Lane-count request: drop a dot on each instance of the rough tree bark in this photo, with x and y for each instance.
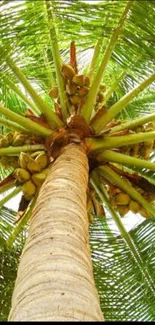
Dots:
(55, 277)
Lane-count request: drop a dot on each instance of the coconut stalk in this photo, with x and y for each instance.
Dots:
(112, 156)
(99, 124)
(99, 188)
(114, 86)
(91, 98)
(112, 177)
(56, 59)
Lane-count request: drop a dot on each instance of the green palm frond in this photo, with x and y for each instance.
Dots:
(30, 39)
(9, 263)
(7, 224)
(11, 100)
(4, 172)
(123, 294)
(74, 19)
(9, 259)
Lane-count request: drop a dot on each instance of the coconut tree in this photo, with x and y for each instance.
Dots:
(78, 143)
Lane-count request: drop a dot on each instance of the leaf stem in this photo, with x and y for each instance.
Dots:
(12, 125)
(7, 187)
(94, 60)
(56, 59)
(120, 158)
(16, 150)
(99, 124)
(21, 95)
(21, 224)
(25, 122)
(90, 101)
(10, 196)
(51, 117)
(97, 144)
(132, 124)
(114, 86)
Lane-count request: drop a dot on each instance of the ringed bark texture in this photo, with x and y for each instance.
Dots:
(55, 277)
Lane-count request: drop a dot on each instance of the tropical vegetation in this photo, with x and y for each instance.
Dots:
(77, 141)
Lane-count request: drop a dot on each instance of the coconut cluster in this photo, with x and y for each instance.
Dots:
(142, 149)
(123, 203)
(31, 172)
(9, 162)
(77, 87)
(14, 139)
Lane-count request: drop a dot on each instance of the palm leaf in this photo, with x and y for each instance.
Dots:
(123, 294)
(77, 18)
(7, 219)
(9, 263)
(9, 259)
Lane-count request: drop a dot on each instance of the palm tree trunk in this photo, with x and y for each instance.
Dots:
(55, 277)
